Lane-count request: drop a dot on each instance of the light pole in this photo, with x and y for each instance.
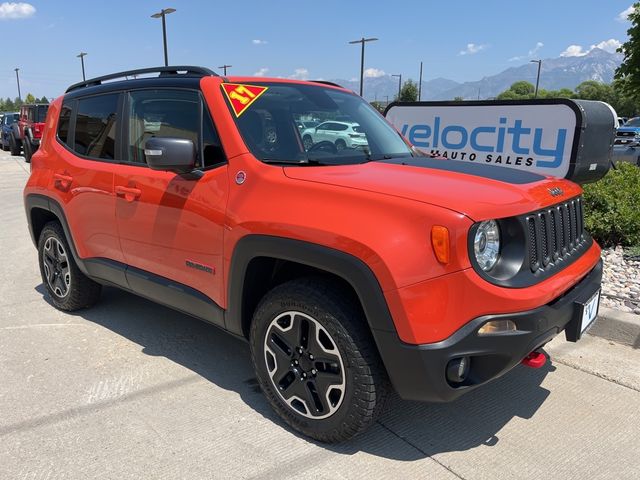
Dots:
(224, 67)
(420, 84)
(18, 79)
(362, 41)
(162, 14)
(81, 56)
(399, 84)
(539, 62)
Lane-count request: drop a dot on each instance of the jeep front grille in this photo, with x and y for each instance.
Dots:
(555, 234)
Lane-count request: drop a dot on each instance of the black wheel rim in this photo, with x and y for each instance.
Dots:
(304, 365)
(56, 267)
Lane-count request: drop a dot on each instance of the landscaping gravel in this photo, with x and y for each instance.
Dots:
(621, 280)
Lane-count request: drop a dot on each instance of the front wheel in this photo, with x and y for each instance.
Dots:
(316, 361)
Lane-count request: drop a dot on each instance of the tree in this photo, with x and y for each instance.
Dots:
(592, 90)
(629, 69)
(458, 99)
(17, 103)
(508, 95)
(43, 100)
(523, 88)
(378, 106)
(29, 98)
(9, 105)
(409, 92)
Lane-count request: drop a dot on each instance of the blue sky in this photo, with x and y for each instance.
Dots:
(462, 41)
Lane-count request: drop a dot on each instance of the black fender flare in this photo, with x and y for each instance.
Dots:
(34, 200)
(346, 266)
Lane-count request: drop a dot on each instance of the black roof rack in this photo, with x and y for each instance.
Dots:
(163, 71)
(325, 82)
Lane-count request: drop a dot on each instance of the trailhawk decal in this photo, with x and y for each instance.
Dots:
(242, 96)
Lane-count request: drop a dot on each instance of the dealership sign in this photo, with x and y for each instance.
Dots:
(542, 136)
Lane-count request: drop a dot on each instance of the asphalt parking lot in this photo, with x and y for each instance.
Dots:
(130, 389)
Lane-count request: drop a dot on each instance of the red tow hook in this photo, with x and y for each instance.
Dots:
(535, 360)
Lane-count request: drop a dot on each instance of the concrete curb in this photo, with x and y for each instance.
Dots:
(617, 326)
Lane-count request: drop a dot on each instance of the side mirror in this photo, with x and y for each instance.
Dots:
(170, 154)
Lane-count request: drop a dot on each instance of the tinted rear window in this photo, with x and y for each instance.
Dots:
(41, 113)
(96, 126)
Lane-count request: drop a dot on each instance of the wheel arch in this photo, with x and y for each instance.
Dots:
(257, 265)
(40, 210)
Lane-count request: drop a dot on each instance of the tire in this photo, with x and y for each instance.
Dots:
(13, 146)
(307, 142)
(28, 150)
(341, 144)
(335, 386)
(69, 289)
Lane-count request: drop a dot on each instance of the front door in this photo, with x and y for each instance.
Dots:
(172, 225)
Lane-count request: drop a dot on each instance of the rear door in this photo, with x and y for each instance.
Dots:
(86, 150)
(172, 225)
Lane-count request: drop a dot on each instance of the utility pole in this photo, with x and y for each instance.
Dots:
(362, 41)
(539, 62)
(81, 57)
(420, 84)
(18, 79)
(399, 84)
(224, 67)
(162, 14)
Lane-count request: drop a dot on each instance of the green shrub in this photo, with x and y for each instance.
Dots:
(612, 207)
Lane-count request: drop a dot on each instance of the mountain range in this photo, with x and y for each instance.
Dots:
(556, 73)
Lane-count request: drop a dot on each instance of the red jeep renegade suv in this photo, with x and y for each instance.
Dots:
(348, 269)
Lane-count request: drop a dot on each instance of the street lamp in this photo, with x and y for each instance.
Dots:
(539, 62)
(162, 14)
(18, 79)
(399, 84)
(81, 56)
(362, 41)
(224, 67)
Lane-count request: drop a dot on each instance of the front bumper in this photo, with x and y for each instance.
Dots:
(418, 371)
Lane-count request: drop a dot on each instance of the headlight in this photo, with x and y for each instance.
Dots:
(486, 244)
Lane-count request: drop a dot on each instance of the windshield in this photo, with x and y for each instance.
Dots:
(297, 123)
(633, 122)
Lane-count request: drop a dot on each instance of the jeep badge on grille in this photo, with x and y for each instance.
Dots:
(556, 191)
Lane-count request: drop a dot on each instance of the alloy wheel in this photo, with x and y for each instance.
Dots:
(304, 365)
(56, 267)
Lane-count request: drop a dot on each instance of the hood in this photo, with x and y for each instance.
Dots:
(478, 191)
(628, 129)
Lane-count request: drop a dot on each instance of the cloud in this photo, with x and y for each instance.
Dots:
(577, 51)
(472, 49)
(300, 74)
(259, 42)
(11, 10)
(262, 72)
(624, 15)
(530, 54)
(373, 73)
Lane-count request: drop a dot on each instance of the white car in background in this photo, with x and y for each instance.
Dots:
(341, 134)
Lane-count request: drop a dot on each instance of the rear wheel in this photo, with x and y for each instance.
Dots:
(315, 360)
(341, 144)
(14, 146)
(68, 288)
(307, 142)
(28, 150)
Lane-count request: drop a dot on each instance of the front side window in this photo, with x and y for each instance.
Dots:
(96, 126)
(343, 128)
(172, 113)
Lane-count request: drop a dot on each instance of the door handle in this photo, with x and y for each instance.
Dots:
(130, 194)
(62, 182)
